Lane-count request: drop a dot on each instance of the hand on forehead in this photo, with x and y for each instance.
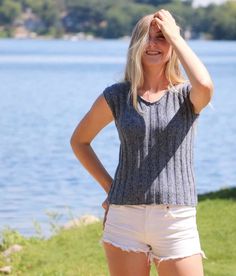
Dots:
(154, 27)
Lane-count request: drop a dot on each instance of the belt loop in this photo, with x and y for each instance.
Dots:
(168, 212)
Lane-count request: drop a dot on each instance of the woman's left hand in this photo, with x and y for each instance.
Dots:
(167, 25)
(105, 205)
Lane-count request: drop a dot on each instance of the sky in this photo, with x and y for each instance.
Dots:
(206, 2)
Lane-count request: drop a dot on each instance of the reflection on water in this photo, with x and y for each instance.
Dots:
(48, 86)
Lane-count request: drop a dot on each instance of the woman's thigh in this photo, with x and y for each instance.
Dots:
(191, 265)
(172, 232)
(126, 252)
(177, 250)
(126, 263)
(162, 233)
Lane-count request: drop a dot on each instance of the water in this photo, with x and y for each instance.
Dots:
(46, 89)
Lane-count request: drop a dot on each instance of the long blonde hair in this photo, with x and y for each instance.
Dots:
(134, 70)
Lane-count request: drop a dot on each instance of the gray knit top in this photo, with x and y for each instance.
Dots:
(156, 147)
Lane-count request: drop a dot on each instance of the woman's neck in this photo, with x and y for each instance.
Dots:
(154, 80)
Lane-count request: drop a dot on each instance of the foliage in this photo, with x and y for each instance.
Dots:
(114, 19)
(77, 251)
(9, 10)
(155, 2)
(224, 21)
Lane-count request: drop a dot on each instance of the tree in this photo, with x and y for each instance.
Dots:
(223, 21)
(121, 19)
(9, 11)
(155, 2)
(218, 21)
(49, 13)
(85, 16)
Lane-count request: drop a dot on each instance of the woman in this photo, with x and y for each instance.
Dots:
(151, 205)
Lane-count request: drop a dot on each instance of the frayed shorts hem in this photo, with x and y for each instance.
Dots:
(160, 259)
(150, 255)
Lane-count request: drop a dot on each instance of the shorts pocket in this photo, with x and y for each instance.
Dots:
(183, 211)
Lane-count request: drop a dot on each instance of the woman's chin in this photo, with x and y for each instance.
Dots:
(153, 62)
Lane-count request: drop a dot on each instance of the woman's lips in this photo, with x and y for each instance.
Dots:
(153, 53)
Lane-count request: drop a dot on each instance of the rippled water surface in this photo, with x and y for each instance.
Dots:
(46, 89)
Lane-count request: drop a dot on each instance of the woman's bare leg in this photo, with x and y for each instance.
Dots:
(126, 263)
(191, 265)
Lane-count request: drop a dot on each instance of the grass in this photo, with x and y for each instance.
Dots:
(77, 252)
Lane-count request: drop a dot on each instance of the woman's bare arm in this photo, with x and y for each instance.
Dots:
(202, 85)
(94, 120)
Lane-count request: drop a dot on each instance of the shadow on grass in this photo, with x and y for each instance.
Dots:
(227, 193)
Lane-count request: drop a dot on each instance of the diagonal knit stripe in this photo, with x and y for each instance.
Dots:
(156, 147)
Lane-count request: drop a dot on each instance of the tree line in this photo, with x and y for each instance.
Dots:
(113, 18)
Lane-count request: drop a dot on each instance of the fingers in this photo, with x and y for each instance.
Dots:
(105, 203)
(159, 22)
(164, 20)
(105, 218)
(103, 223)
(162, 14)
(155, 25)
(159, 17)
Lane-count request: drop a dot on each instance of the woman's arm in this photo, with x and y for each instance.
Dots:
(202, 85)
(95, 119)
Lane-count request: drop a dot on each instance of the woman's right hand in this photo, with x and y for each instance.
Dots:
(105, 205)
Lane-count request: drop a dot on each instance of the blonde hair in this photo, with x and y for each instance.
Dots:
(134, 69)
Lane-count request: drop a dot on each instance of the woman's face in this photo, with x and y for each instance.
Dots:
(157, 50)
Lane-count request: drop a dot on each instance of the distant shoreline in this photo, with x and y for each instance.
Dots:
(99, 39)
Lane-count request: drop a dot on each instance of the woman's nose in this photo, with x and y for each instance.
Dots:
(152, 43)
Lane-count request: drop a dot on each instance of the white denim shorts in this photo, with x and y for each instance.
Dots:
(160, 231)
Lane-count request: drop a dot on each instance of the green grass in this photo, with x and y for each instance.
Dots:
(77, 252)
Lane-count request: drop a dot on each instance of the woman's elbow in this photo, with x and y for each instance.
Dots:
(76, 142)
(207, 86)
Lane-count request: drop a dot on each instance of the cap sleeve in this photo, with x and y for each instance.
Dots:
(186, 93)
(114, 97)
(110, 97)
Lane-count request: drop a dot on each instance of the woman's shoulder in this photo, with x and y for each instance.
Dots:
(115, 96)
(116, 90)
(118, 86)
(183, 88)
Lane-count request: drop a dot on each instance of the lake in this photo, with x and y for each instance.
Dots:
(47, 86)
